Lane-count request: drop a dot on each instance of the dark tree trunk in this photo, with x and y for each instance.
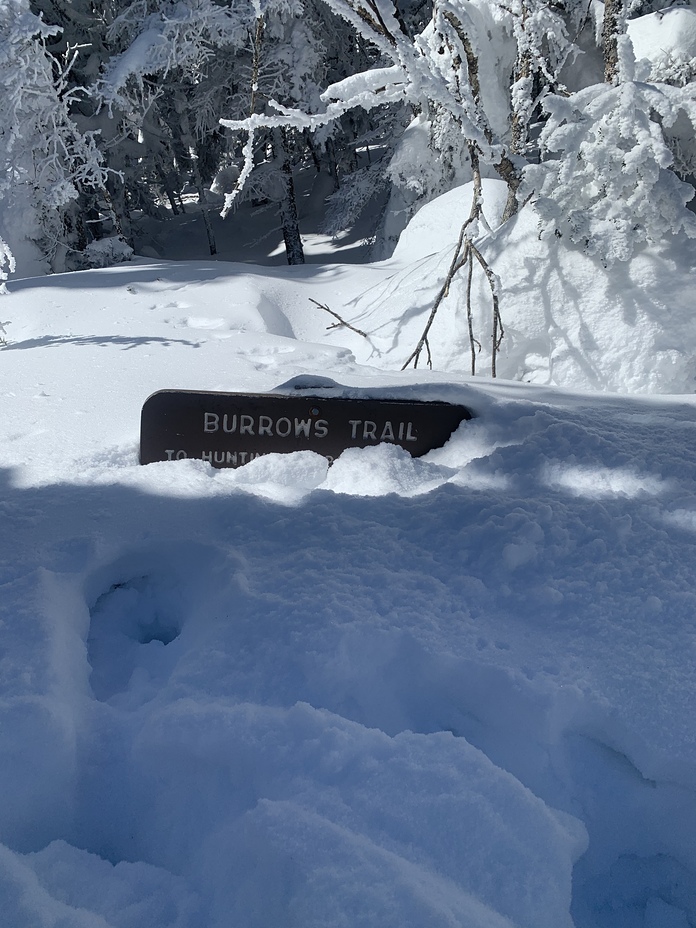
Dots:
(288, 205)
(190, 143)
(333, 167)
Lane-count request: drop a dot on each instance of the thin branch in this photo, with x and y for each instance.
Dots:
(341, 322)
(456, 264)
(378, 16)
(498, 330)
(248, 151)
(458, 259)
(473, 341)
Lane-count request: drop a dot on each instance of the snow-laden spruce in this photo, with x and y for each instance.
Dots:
(609, 184)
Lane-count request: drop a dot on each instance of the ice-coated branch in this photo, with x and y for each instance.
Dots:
(183, 37)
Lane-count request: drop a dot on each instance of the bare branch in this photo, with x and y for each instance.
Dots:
(498, 330)
(456, 263)
(341, 322)
(473, 341)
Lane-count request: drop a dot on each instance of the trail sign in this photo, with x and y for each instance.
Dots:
(231, 429)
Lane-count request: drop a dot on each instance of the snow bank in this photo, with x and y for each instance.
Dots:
(453, 691)
(415, 691)
(667, 39)
(569, 321)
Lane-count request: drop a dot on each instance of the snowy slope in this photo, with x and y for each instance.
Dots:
(455, 690)
(569, 320)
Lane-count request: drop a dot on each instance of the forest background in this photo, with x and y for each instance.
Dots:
(119, 117)
(112, 112)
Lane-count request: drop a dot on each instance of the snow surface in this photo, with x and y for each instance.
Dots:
(447, 691)
(666, 38)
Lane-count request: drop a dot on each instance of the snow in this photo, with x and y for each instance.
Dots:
(665, 38)
(569, 320)
(452, 690)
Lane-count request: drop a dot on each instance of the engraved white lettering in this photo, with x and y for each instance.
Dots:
(401, 431)
(207, 456)
(180, 455)
(265, 425)
(243, 457)
(354, 423)
(321, 428)
(246, 425)
(409, 433)
(226, 427)
(219, 457)
(232, 457)
(170, 454)
(211, 422)
(370, 429)
(302, 427)
(283, 430)
(387, 432)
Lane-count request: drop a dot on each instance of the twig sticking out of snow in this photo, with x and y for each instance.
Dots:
(464, 253)
(341, 322)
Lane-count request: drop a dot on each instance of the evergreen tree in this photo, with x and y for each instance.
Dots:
(50, 168)
(607, 182)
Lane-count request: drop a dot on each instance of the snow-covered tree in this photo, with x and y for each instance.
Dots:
(473, 80)
(608, 182)
(50, 169)
(7, 264)
(111, 110)
(162, 87)
(289, 65)
(542, 49)
(434, 73)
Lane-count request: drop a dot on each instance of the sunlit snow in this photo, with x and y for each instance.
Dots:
(447, 691)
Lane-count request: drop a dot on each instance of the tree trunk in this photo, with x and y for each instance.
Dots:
(505, 167)
(288, 205)
(165, 179)
(611, 29)
(190, 143)
(333, 167)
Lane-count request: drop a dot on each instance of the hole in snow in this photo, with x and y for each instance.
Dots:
(141, 604)
(129, 630)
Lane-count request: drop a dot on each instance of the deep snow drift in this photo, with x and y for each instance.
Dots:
(448, 691)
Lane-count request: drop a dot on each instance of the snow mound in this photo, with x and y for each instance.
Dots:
(667, 39)
(568, 320)
(435, 227)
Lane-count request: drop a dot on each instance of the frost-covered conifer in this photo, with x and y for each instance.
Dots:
(47, 163)
(608, 182)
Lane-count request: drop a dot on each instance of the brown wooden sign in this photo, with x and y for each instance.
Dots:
(231, 429)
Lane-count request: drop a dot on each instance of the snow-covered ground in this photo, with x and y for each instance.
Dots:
(448, 691)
